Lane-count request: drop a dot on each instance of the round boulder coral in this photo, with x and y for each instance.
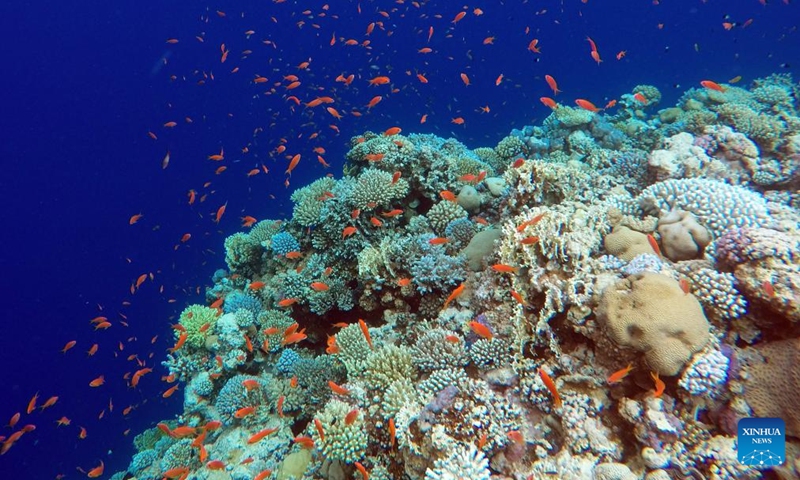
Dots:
(627, 244)
(682, 237)
(650, 313)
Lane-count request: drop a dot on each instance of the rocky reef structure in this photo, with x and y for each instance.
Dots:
(601, 296)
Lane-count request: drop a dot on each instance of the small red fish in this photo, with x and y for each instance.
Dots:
(551, 385)
(481, 330)
(659, 390)
(617, 376)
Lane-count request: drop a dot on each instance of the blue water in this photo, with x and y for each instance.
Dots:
(83, 83)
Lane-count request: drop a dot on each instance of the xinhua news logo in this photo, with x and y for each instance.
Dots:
(761, 441)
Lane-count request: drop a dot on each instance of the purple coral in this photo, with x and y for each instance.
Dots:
(746, 244)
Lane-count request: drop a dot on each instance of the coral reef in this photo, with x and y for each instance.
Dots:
(599, 296)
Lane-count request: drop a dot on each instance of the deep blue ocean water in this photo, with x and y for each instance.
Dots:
(82, 83)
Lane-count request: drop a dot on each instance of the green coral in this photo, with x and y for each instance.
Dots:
(353, 349)
(490, 157)
(764, 129)
(509, 148)
(387, 365)
(441, 214)
(242, 254)
(262, 232)
(651, 93)
(572, 117)
(192, 319)
(344, 442)
(375, 188)
(310, 200)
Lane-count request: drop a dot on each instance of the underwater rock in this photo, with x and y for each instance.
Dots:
(496, 186)
(627, 244)
(469, 198)
(682, 237)
(481, 246)
(294, 465)
(650, 313)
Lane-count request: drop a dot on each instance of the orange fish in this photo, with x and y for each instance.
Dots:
(684, 283)
(263, 475)
(96, 471)
(392, 131)
(220, 212)
(458, 17)
(304, 442)
(244, 411)
(586, 105)
(552, 83)
(351, 416)
(534, 46)
(338, 389)
(286, 302)
(617, 376)
(653, 244)
(502, 268)
(548, 102)
(319, 286)
(365, 331)
(292, 164)
(659, 385)
(294, 338)
(712, 85)
(456, 293)
(318, 425)
(361, 469)
(379, 81)
(348, 231)
(551, 385)
(448, 195)
(392, 431)
(258, 436)
(465, 79)
(68, 346)
(135, 218)
(438, 241)
(481, 330)
(529, 223)
(640, 98)
(97, 381)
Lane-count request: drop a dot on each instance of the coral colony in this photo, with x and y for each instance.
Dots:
(576, 302)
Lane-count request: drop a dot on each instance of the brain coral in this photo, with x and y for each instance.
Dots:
(650, 313)
(773, 385)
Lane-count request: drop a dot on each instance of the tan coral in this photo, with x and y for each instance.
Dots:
(650, 313)
(626, 244)
(773, 385)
